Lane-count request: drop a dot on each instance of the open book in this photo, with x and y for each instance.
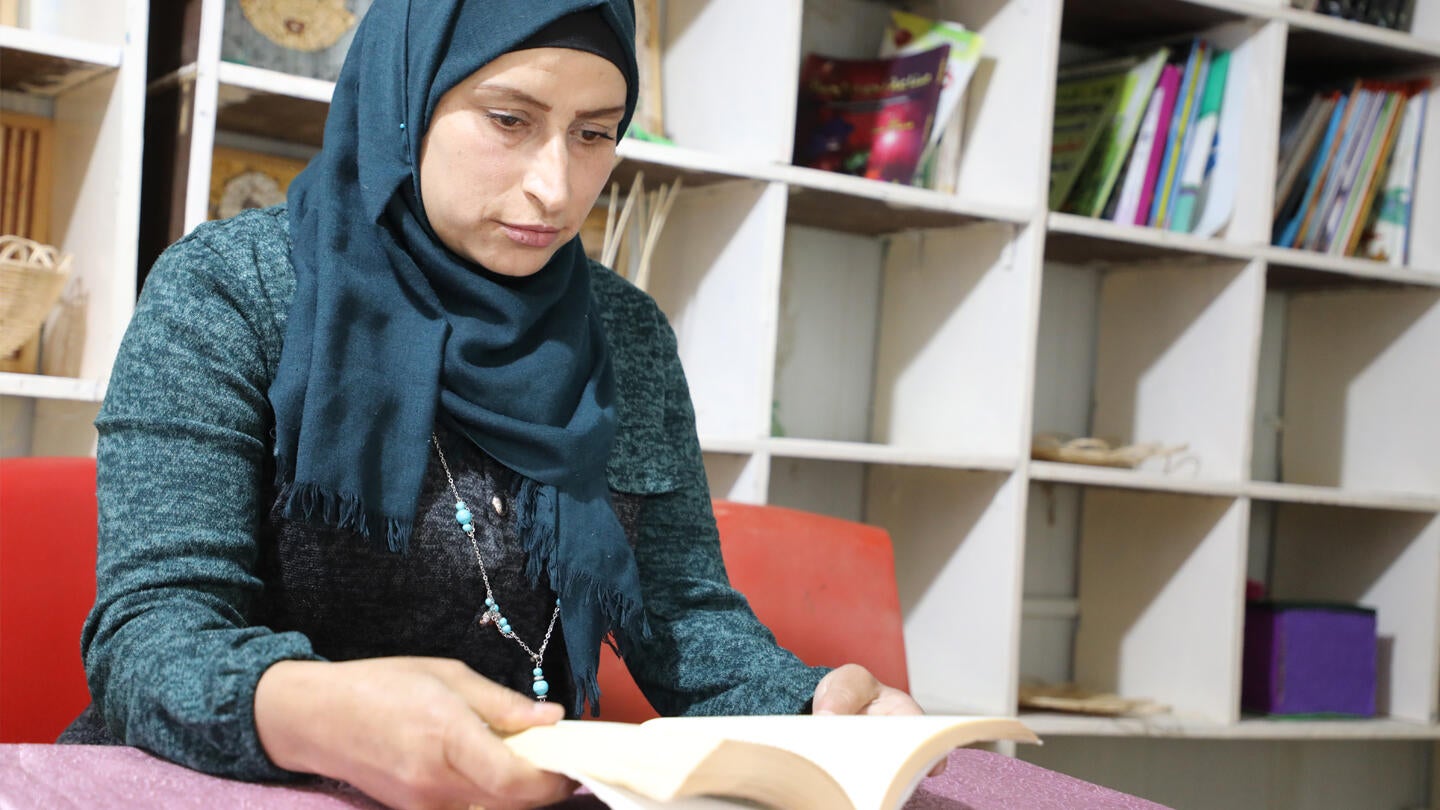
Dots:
(781, 762)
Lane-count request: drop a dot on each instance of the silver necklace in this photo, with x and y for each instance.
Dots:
(492, 615)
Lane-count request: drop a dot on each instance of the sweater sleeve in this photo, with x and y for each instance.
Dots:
(708, 654)
(171, 659)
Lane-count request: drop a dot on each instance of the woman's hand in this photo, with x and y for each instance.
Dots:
(414, 733)
(851, 689)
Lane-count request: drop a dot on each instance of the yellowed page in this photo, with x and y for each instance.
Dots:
(877, 760)
(665, 764)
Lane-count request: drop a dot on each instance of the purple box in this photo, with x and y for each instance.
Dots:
(1305, 658)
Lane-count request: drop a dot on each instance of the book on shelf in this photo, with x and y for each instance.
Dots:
(868, 117)
(1166, 154)
(1352, 196)
(1192, 86)
(908, 34)
(1387, 237)
(1092, 189)
(1133, 206)
(1086, 98)
(1393, 14)
(792, 762)
(1198, 156)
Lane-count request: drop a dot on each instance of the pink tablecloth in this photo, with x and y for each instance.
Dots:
(77, 776)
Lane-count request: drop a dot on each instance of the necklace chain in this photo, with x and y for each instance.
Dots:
(492, 614)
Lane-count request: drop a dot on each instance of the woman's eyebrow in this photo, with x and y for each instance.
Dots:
(522, 97)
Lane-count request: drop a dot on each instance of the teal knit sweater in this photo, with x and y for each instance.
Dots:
(171, 653)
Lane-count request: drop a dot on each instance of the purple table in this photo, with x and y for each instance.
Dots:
(52, 776)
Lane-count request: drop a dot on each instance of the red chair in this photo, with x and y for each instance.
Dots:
(824, 586)
(47, 585)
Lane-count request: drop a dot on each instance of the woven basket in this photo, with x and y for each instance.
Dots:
(32, 276)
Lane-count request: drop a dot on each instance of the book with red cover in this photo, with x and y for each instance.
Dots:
(868, 117)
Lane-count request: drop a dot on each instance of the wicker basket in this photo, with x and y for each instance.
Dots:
(32, 276)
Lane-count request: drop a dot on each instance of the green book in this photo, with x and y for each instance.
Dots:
(1085, 99)
(1199, 152)
(1097, 180)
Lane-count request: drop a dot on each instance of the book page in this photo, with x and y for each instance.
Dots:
(878, 761)
(667, 764)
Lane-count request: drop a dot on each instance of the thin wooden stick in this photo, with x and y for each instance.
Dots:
(636, 190)
(662, 212)
(610, 218)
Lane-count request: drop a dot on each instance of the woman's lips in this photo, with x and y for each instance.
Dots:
(535, 236)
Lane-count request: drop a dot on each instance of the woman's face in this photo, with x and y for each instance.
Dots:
(517, 154)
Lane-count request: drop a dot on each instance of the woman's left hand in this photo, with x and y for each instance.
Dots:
(851, 689)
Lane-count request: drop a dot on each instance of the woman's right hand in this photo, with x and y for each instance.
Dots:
(414, 733)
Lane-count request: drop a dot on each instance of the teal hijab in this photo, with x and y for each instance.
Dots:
(390, 331)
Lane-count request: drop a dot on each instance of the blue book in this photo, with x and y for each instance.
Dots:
(1187, 144)
(1317, 170)
(1176, 136)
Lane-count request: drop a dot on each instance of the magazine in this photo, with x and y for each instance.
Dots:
(868, 117)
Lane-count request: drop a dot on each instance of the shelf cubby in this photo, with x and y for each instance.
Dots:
(1006, 112)
(1330, 397)
(1160, 591)
(954, 556)
(80, 66)
(716, 272)
(884, 341)
(1152, 352)
(1248, 104)
(1236, 768)
(1388, 560)
(1325, 53)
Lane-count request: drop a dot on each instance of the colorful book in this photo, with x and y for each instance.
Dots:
(1200, 156)
(1290, 234)
(868, 117)
(1388, 238)
(1086, 97)
(1097, 180)
(1357, 131)
(1362, 199)
(1175, 138)
(1297, 152)
(1169, 86)
(910, 34)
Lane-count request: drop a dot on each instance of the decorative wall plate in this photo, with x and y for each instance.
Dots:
(301, 25)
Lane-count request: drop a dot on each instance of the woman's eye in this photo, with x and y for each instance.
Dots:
(505, 120)
(595, 136)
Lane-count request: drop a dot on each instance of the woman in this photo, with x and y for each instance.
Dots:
(379, 471)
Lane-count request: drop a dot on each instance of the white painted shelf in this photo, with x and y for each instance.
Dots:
(865, 453)
(275, 83)
(46, 64)
(40, 386)
(1094, 476)
(1334, 496)
(1168, 726)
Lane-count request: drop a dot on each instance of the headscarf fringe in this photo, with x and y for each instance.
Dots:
(312, 503)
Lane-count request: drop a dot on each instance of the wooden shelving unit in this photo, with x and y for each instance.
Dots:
(82, 66)
(886, 353)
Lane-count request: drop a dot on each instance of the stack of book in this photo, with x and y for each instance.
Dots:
(1136, 139)
(1394, 14)
(1348, 160)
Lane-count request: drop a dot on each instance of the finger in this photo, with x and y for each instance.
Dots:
(847, 690)
(503, 709)
(499, 777)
